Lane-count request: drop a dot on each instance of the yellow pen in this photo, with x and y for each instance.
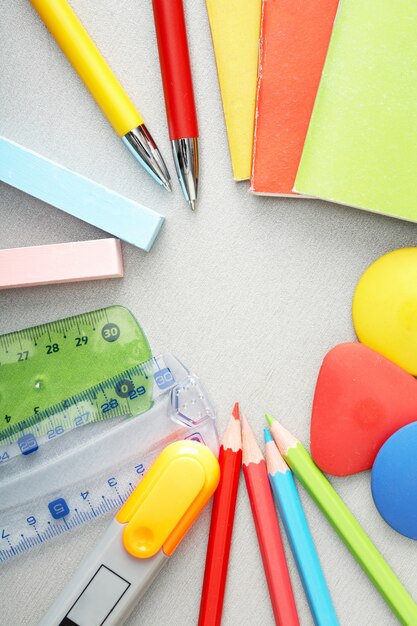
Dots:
(106, 90)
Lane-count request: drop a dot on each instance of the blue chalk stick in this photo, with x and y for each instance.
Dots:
(75, 194)
(394, 481)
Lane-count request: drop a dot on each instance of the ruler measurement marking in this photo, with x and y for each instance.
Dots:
(36, 531)
(91, 506)
(68, 523)
(10, 544)
(120, 497)
(63, 406)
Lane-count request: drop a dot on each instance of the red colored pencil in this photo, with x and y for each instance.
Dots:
(224, 504)
(267, 529)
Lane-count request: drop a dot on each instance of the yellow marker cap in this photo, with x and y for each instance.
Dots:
(169, 498)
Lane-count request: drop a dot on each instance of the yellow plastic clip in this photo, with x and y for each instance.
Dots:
(169, 498)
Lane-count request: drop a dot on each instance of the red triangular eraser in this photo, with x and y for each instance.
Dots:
(361, 399)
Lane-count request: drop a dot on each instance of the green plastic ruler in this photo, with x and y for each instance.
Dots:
(46, 370)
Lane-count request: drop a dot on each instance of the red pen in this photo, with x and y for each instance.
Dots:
(178, 91)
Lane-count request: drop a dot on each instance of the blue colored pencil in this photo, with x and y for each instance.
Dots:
(299, 536)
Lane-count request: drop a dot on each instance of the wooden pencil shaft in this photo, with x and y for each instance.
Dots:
(221, 529)
(352, 534)
(303, 548)
(270, 544)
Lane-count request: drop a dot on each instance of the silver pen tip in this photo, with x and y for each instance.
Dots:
(167, 184)
(185, 152)
(142, 146)
(161, 173)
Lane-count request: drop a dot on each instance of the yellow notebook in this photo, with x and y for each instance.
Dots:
(235, 27)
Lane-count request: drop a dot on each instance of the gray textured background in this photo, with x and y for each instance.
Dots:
(249, 292)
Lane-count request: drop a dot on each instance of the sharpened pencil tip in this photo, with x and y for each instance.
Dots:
(282, 437)
(236, 411)
(244, 423)
(250, 449)
(192, 204)
(268, 436)
(270, 420)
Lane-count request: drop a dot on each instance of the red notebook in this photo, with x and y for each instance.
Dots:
(294, 39)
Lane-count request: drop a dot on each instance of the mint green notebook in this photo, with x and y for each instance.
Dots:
(361, 146)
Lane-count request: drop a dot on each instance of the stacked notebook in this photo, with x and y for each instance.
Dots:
(235, 27)
(294, 41)
(336, 104)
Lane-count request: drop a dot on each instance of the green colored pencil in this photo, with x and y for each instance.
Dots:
(345, 524)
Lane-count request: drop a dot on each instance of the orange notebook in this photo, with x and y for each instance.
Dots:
(294, 39)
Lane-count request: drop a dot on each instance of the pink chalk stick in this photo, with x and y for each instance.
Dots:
(61, 263)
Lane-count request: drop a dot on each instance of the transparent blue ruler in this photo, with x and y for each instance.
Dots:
(90, 472)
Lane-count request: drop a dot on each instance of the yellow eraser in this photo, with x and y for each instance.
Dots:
(385, 307)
